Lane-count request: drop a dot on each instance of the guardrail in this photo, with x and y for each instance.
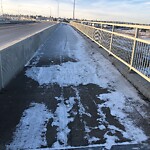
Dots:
(130, 44)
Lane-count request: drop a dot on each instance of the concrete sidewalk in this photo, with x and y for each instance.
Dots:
(69, 95)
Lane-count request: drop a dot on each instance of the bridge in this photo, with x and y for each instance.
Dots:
(83, 85)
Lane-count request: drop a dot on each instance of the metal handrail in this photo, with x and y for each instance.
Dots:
(122, 25)
(120, 34)
(133, 51)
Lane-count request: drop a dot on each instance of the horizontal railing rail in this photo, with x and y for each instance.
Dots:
(130, 44)
(120, 25)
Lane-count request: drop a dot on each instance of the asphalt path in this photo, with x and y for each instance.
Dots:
(15, 32)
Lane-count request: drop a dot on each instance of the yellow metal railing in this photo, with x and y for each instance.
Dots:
(130, 44)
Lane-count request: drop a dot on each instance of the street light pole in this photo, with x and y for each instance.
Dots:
(2, 7)
(58, 9)
(19, 12)
(74, 5)
(50, 13)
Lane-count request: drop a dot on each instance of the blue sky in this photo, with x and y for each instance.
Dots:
(118, 10)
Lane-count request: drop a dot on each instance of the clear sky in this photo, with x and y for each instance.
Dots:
(114, 10)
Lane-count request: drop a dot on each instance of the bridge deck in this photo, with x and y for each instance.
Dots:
(69, 95)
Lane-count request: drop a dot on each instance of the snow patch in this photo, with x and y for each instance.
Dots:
(31, 130)
(116, 103)
(82, 110)
(93, 139)
(61, 119)
(101, 127)
(110, 140)
(65, 75)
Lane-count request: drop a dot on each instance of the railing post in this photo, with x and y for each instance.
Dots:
(134, 48)
(111, 40)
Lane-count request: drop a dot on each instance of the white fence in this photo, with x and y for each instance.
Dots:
(130, 44)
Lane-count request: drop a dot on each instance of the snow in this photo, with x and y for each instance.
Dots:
(101, 127)
(118, 108)
(59, 74)
(114, 100)
(31, 123)
(31, 130)
(93, 139)
(110, 140)
(81, 108)
(91, 68)
(61, 120)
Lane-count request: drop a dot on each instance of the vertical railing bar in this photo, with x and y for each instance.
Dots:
(140, 64)
(139, 54)
(134, 47)
(111, 40)
(146, 63)
(138, 57)
(101, 26)
(147, 58)
(143, 59)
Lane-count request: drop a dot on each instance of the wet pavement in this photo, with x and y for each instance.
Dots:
(61, 112)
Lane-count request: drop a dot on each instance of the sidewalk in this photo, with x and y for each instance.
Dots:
(69, 95)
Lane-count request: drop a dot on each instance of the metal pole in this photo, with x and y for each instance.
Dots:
(111, 40)
(2, 7)
(18, 12)
(134, 48)
(58, 8)
(74, 5)
(50, 15)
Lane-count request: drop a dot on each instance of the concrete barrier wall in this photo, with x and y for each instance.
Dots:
(13, 58)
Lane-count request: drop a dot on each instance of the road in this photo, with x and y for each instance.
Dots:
(69, 95)
(15, 32)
